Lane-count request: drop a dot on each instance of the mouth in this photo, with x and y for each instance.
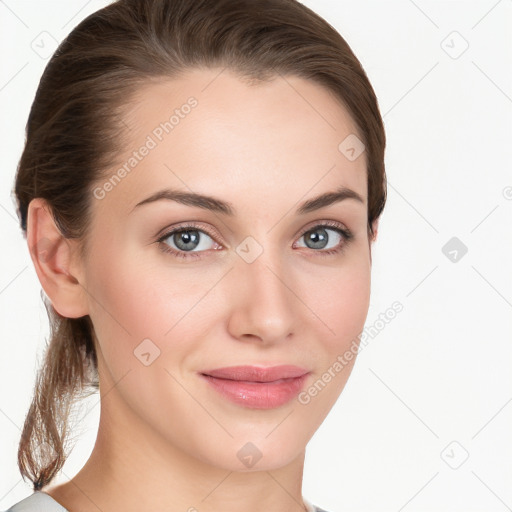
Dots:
(257, 387)
(252, 373)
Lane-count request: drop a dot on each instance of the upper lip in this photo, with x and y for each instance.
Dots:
(257, 373)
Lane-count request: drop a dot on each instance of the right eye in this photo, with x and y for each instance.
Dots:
(186, 239)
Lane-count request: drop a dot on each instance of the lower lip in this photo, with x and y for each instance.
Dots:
(258, 395)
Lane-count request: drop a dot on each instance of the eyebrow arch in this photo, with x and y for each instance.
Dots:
(217, 205)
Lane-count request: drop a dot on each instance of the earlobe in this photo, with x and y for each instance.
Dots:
(51, 254)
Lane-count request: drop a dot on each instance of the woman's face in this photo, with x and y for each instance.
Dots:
(260, 282)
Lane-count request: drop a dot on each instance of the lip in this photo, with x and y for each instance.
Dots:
(257, 387)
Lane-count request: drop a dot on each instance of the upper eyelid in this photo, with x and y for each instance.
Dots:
(183, 227)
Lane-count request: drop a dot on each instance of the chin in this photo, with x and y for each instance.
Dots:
(259, 454)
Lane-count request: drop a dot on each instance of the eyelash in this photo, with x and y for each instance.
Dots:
(346, 236)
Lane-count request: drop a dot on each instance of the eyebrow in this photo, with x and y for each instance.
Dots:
(219, 206)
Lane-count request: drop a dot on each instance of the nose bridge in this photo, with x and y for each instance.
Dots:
(263, 269)
(262, 290)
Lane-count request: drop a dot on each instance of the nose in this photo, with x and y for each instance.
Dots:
(264, 306)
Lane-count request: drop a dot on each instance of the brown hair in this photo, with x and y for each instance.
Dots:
(74, 134)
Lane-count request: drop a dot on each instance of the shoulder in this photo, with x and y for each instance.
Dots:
(37, 502)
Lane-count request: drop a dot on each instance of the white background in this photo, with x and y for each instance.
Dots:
(435, 384)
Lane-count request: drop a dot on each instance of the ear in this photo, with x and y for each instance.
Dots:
(375, 228)
(54, 261)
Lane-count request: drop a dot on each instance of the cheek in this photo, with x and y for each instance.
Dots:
(342, 306)
(134, 299)
(123, 307)
(342, 302)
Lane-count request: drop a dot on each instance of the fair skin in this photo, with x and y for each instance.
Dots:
(166, 440)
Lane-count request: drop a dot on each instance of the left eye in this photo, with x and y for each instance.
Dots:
(318, 237)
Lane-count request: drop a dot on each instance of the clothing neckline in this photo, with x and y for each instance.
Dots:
(309, 506)
(49, 498)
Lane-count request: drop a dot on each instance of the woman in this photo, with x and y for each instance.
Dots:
(200, 188)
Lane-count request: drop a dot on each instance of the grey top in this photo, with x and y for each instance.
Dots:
(39, 501)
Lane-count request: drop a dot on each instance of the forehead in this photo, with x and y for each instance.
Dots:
(212, 133)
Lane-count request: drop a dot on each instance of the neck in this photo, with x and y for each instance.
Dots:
(132, 468)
